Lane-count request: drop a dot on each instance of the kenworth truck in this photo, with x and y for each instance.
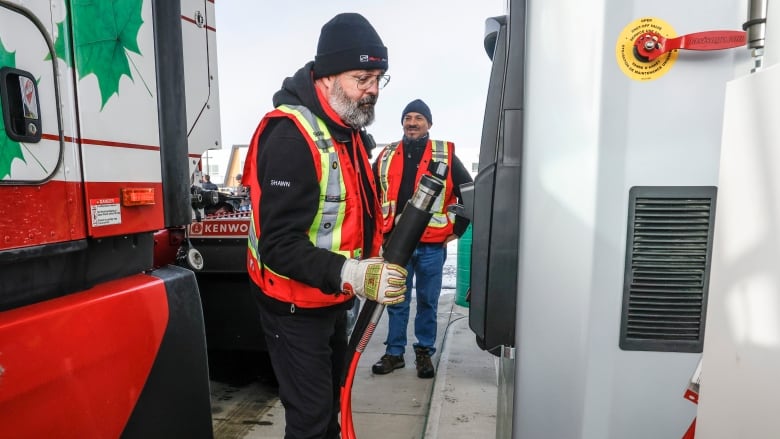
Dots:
(625, 219)
(106, 109)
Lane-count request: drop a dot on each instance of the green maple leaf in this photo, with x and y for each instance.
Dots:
(104, 31)
(9, 150)
(62, 44)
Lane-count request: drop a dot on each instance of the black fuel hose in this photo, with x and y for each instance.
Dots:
(397, 250)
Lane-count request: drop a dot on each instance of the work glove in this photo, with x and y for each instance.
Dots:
(374, 279)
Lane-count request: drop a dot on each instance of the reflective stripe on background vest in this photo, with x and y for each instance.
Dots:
(439, 154)
(384, 184)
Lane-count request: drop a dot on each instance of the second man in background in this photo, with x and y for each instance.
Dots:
(398, 170)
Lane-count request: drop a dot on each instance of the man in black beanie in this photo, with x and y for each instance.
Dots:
(398, 171)
(316, 223)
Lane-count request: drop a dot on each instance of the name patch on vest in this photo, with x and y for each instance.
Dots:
(280, 183)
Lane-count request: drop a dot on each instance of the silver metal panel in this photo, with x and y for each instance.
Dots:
(506, 386)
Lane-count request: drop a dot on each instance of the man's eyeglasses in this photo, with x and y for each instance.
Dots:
(367, 81)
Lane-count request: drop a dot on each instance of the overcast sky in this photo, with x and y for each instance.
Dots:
(435, 52)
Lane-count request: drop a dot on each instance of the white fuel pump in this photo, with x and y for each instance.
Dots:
(602, 163)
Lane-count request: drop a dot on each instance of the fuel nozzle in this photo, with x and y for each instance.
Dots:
(414, 219)
(426, 192)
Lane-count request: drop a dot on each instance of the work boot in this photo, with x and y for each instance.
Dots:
(388, 363)
(423, 362)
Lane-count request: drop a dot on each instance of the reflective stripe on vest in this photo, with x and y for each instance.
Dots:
(252, 238)
(384, 184)
(325, 231)
(439, 153)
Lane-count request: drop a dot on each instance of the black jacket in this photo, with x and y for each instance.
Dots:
(288, 209)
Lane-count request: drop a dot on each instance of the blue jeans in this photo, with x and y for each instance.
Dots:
(425, 266)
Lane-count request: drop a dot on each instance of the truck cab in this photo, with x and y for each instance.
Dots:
(106, 108)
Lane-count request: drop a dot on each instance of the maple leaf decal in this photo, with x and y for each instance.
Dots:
(104, 32)
(62, 44)
(9, 149)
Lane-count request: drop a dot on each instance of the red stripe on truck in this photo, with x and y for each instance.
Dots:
(98, 142)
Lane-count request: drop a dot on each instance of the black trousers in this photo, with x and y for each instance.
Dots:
(308, 354)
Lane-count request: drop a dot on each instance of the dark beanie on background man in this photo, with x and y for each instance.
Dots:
(417, 106)
(348, 42)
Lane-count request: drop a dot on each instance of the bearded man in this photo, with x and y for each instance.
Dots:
(316, 221)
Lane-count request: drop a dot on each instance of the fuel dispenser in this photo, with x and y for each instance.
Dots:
(593, 210)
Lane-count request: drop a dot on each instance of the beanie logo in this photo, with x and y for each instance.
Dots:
(369, 58)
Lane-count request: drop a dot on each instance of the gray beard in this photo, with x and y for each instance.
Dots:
(351, 111)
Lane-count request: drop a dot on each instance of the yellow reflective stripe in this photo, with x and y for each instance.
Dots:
(275, 273)
(349, 254)
(252, 244)
(438, 220)
(325, 231)
(327, 226)
(320, 134)
(334, 206)
(252, 237)
(439, 153)
(384, 183)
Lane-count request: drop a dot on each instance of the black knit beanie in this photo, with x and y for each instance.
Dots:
(348, 42)
(417, 106)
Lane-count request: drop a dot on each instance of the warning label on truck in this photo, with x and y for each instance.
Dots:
(631, 64)
(105, 211)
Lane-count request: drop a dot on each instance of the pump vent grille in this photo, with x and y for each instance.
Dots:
(668, 256)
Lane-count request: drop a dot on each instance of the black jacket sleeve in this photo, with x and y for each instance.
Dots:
(288, 205)
(459, 176)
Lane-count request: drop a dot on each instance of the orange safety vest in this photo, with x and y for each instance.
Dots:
(338, 225)
(390, 173)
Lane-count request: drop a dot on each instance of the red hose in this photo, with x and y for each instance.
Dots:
(347, 429)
